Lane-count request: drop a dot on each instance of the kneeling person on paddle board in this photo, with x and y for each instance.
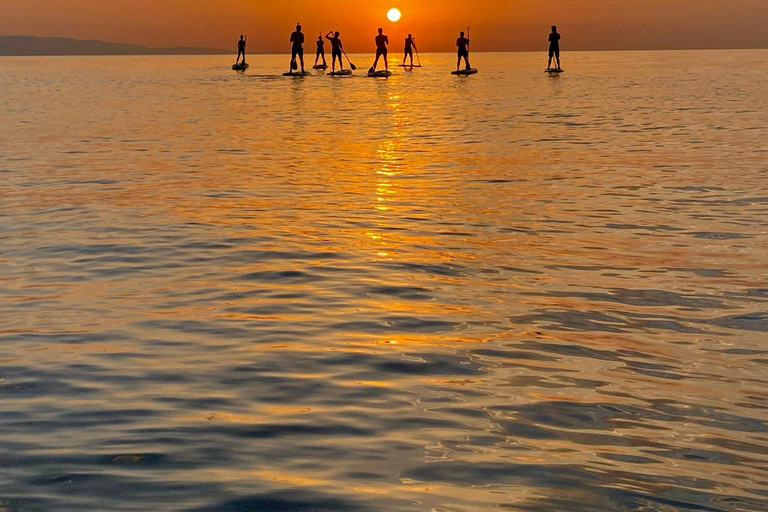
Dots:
(463, 45)
(297, 38)
(410, 45)
(336, 50)
(381, 50)
(554, 48)
(241, 49)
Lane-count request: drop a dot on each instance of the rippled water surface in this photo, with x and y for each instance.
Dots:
(512, 291)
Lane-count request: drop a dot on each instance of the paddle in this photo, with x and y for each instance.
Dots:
(468, 43)
(418, 59)
(350, 62)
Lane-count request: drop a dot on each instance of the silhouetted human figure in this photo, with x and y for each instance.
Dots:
(554, 47)
(336, 49)
(241, 49)
(297, 38)
(410, 44)
(320, 50)
(462, 43)
(381, 50)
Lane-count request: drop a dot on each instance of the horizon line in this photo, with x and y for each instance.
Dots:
(228, 51)
(271, 54)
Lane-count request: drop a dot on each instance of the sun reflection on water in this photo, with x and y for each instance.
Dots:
(317, 291)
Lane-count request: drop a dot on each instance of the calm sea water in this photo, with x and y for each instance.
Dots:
(512, 291)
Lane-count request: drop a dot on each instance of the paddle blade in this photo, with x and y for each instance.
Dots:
(352, 66)
(294, 66)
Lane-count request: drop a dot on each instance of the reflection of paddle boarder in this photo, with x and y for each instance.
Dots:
(320, 50)
(381, 50)
(410, 45)
(297, 38)
(241, 49)
(462, 43)
(554, 47)
(336, 48)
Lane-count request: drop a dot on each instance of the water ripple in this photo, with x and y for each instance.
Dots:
(227, 292)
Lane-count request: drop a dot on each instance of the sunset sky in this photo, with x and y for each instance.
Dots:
(497, 25)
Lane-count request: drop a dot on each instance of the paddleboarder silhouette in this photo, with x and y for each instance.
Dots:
(462, 43)
(410, 45)
(336, 50)
(241, 49)
(554, 48)
(320, 50)
(297, 38)
(381, 50)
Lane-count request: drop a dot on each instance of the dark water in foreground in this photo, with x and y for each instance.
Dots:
(509, 292)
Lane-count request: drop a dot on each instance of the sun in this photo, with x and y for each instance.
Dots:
(394, 15)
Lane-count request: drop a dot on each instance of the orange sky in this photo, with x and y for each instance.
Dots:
(497, 24)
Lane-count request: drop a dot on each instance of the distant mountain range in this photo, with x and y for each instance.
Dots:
(29, 45)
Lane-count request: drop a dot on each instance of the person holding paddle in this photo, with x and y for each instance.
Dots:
(554, 48)
(320, 51)
(336, 49)
(463, 45)
(410, 44)
(241, 49)
(381, 50)
(297, 38)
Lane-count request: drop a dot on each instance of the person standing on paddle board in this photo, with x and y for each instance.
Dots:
(554, 47)
(297, 38)
(410, 45)
(381, 50)
(336, 49)
(320, 51)
(462, 43)
(241, 49)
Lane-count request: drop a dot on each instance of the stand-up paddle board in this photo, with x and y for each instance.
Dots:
(343, 72)
(240, 67)
(379, 74)
(297, 73)
(409, 66)
(553, 70)
(320, 66)
(463, 72)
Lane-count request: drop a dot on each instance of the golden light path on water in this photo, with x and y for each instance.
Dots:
(509, 292)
